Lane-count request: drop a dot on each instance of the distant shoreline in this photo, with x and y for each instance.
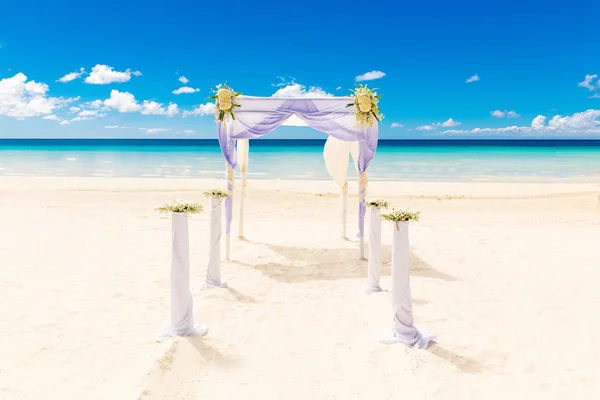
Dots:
(305, 142)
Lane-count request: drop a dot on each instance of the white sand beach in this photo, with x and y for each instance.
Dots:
(506, 275)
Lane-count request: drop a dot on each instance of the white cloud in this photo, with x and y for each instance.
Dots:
(595, 96)
(425, 128)
(188, 131)
(202, 109)
(155, 130)
(71, 76)
(480, 131)
(172, 110)
(21, 98)
(474, 78)
(283, 81)
(396, 125)
(183, 79)
(448, 123)
(125, 102)
(57, 119)
(93, 104)
(578, 124)
(185, 89)
(583, 121)
(122, 101)
(298, 90)
(504, 114)
(588, 82)
(74, 109)
(89, 113)
(369, 76)
(154, 108)
(104, 74)
(338, 88)
(76, 119)
(538, 122)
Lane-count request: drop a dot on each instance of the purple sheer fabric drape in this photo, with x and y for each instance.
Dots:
(258, 116)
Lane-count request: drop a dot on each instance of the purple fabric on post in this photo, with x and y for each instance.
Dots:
(228, 149)
(228, 209)
(258, 116)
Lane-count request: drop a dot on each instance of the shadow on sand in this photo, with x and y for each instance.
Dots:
(305, 264)
(464, 364)
(174, 373)
(241, 297)
(209, 353)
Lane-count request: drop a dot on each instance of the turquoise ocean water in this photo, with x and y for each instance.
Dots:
(448, 160)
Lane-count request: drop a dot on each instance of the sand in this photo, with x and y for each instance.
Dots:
(506, 275)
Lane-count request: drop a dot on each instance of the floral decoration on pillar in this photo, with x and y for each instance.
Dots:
(225, 102)
(366, 104)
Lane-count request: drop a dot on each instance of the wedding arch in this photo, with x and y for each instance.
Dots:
(350, 122)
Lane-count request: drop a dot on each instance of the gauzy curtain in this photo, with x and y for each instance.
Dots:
(258, 116)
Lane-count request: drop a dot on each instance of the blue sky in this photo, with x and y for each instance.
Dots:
(536, 64)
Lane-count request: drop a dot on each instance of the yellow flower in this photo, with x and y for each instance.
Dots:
(224, 98)
(364, 104)
(225, 105)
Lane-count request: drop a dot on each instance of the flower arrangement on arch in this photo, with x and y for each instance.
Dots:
(366, 104)
(225, 102)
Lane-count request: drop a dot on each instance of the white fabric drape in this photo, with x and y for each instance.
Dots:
(230, 175)
(404, 330)
(182, 303)
(374, 264)
(243, 150)
(336, 154)
(213, 271)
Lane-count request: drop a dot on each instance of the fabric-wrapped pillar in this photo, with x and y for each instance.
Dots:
(243, 149)
(213, 270)
(364, 149)
(403, 330)
(363, 181)
(227, 145)
(230, 173)
(182, 303)
(374, 265)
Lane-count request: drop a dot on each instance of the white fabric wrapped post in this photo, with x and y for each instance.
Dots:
(243, 149)
(374, 265)
(213, 271)
(404, 330)
(230, 172)
(182, 303)
(363, 180)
